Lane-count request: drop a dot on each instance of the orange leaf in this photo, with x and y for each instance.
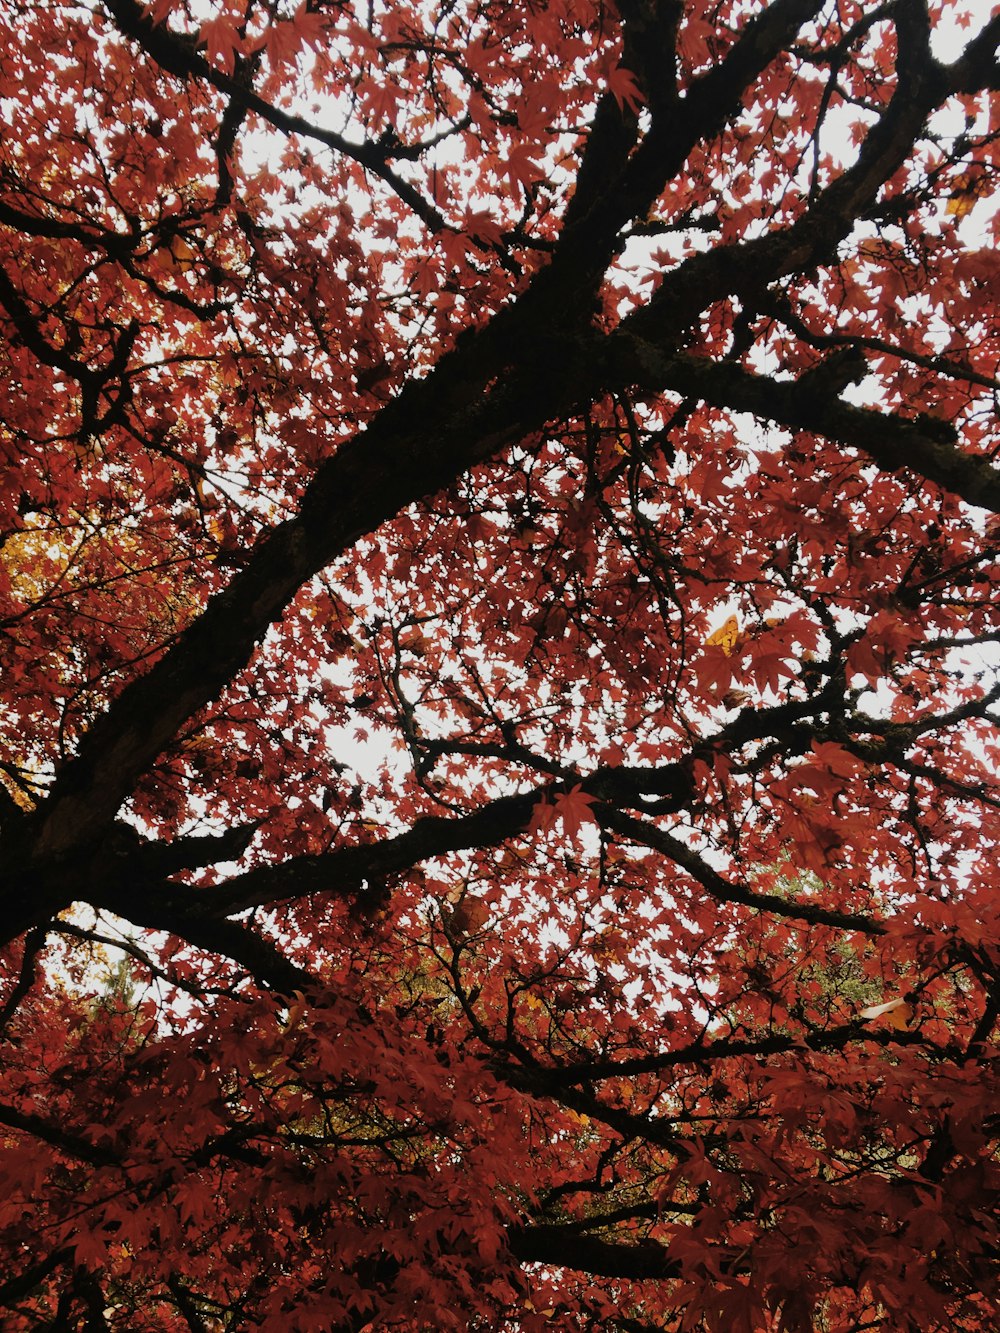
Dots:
(898, 1013)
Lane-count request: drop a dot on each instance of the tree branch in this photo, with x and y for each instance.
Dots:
(924, 445)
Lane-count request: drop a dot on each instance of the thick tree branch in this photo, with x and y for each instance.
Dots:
(924, 445)
(564, 1248)
(748, 267)
(706, 1054)
(34, 943)
(24, 1283)
(612, 191)
(57, 1136)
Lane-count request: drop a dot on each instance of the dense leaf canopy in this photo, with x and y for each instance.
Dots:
(498, 731)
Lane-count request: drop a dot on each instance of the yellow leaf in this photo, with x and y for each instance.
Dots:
(727, 637)
(199, 743)
(968, 189)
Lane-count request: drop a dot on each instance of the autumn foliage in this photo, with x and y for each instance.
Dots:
(498, 666)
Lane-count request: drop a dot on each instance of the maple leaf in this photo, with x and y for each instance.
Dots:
(575, 808)
(223, 40)
(543, 817)
(624, 89)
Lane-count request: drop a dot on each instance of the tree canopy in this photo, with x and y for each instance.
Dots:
(498, 723)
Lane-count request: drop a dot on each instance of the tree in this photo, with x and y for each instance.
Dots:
(496, 591)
